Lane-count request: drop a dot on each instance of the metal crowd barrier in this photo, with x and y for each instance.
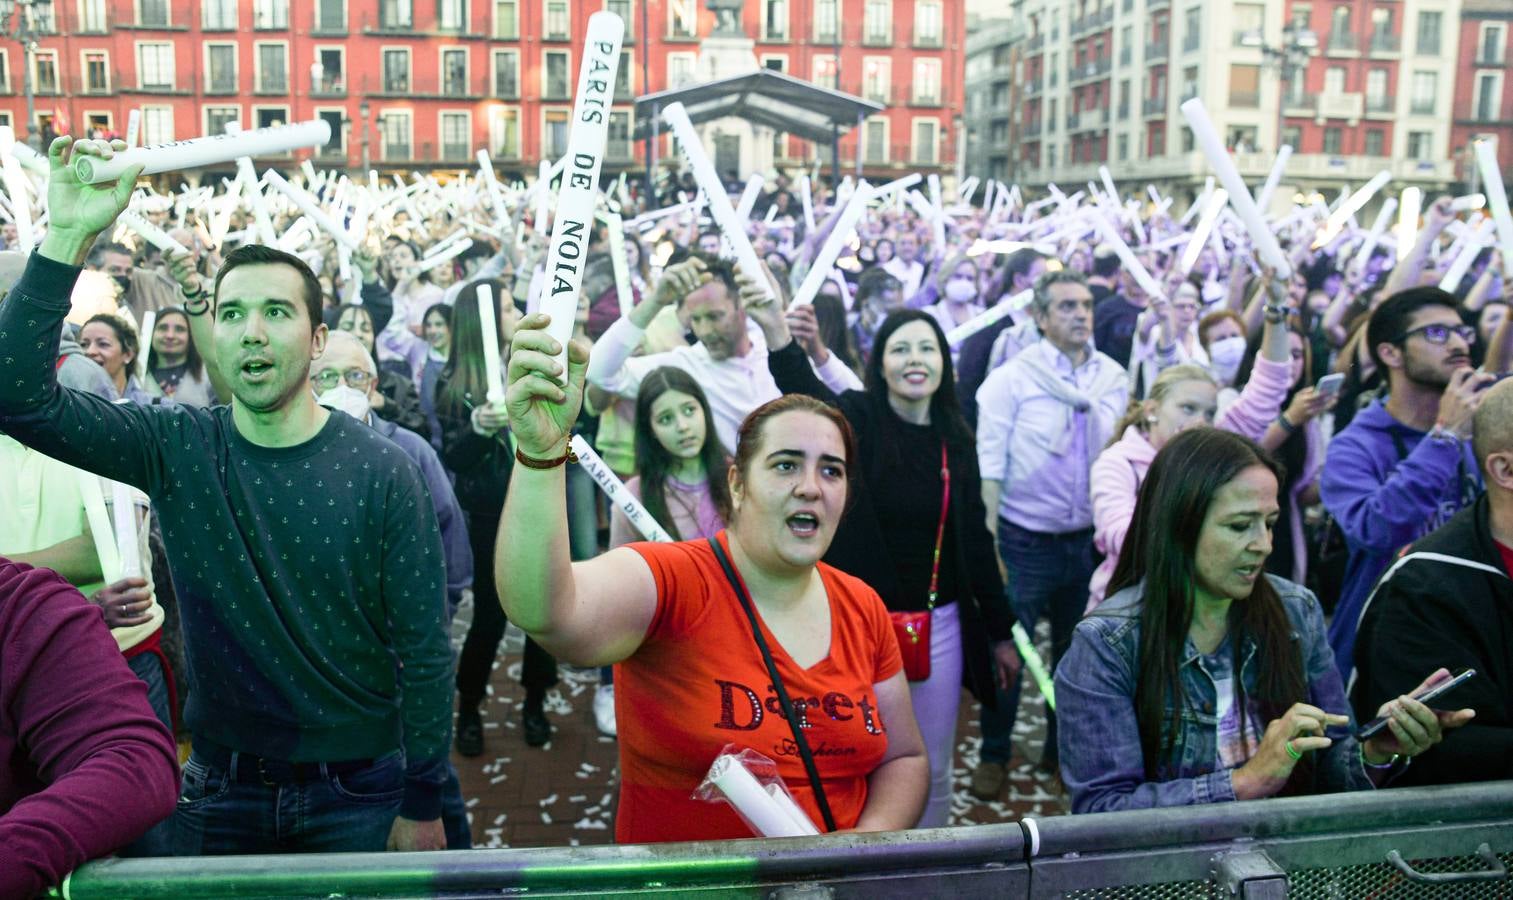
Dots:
(1453, 842)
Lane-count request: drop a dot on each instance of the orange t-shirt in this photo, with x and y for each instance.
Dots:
(698, 683)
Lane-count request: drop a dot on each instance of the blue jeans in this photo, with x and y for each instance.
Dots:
(1048, 575)
(230, 809)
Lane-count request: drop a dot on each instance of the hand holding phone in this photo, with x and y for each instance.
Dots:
(1330, 384)
(1376, 726)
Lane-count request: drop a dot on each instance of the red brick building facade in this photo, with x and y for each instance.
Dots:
(1483, 85)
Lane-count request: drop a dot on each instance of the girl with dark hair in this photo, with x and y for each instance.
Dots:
(174, 366)
(476, 447)
(438, 338)
(683, 622)
(1202, 678)
(396, 400)
(916, 530)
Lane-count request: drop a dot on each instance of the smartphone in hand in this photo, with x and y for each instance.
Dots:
(1375, 726)
(1330, 385)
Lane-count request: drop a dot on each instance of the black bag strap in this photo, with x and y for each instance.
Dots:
(777, 684)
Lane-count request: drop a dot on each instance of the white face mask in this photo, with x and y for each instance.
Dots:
(1224, 356)
(960, 290)
(348, 399)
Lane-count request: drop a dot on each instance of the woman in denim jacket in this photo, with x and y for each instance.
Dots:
(1151, 711)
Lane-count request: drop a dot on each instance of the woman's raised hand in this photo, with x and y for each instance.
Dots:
(1298, 731)
(542, 409)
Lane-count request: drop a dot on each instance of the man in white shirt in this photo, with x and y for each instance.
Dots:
(1042, 418)
(905, 264)
(730, 359)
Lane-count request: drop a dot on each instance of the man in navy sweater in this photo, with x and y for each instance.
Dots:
(303, 546)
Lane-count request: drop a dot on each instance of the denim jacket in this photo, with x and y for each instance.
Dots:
(1101, 758)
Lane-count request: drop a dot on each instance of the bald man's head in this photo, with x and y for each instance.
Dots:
(1494, 431)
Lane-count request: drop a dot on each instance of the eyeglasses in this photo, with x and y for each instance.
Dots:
(1439, 334)
(327, 378)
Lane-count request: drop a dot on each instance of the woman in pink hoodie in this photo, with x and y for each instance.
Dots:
(1182, 397)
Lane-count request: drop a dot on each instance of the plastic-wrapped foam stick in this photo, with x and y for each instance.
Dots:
(621, 266)
(573, 215)
(1410, 203)
(1378, 228)
(1131, 263)
(819, 270)
(983, 319)
(150, 233)
(792, 809)
(615, 490)
(311, 209)
(808, 201)
(1273, 178)
(124, 512)
(488, 323)
(447, 255)
(1239, 196)
(1034, 665)
(734, 230)
(491, 184)
(18, 189)
(1205, 226)
(1497, 196)
(1467, 255)
(204, 151)
(754, 804)
(1350, 207)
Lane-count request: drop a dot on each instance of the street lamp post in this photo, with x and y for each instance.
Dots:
(15, 22)
(1298, 44)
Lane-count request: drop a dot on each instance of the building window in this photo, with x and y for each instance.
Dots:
(825, 13)
(1158, 140)
(454, 72)
(1187, 140)
(157, 125)
(1334, 80)
(270, 117)
(272, 69)
(504, 133)
(1292, 136)
(625, 77)
(877, 26)
(556, 21)
(456, 136)
(271, 14)
(926, 141)
(775, 20)
(679, 69)
(877, 75)
(1428, 33)
(617, 145)
(1245, 86)
(394, 15)
(507, 21)
(220, 68)
(96, 72)
(554, 134)
(1491, 45)
(1382, 37)
(624, 9)
(1122, 143)
(152, 13)
(92, 18)
(1375, 142)
(927, 82)
(507, 74)
(1376, 90)
(1190, 83)
(1340, 35)
(875, 148)
(217, 117)
(1425, 87)
(451, 15)
(396, 72)
(327, 73)
(331, 15)
(1332, 140)
(394, 131)
(1420, 145)
(1487, 97)
(683, 18)
(824, 71)
(1192, 28)
(555, 85)
(928, 23)
(775, 63)
(154, 66)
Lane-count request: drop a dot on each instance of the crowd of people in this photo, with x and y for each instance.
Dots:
(1258, 509)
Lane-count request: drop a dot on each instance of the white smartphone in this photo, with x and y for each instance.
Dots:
(1330, 385)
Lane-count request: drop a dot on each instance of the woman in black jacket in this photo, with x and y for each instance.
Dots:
(907, 423)
(476, 448)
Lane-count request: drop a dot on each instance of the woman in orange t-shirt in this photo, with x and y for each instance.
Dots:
(689, 677)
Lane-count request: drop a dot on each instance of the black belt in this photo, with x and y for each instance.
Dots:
(252, 769)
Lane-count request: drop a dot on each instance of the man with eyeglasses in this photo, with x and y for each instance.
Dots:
(1404, 465)
(308, 562)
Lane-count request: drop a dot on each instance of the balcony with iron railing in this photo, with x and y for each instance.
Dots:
(1343, 42)
(157, 88)
(1088, 120)
(1191, 43)
(396, 25)
(321, 28)
(1341, 106)
(1090, 70)
(1495, 58)
(271, 84)
(878, 37)
(80, 84)
(1385, 44)
(1125, 55)
(1152, 107)
(473, 88)
(1153, 5)
(1157, 51)
(221, 84)
(270, 17)
(1378, 106)
(329, 86)
(1420, 107)
(1032, 130)
(1035, 43)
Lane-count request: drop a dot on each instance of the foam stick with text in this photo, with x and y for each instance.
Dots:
(614, 489)
(1239, 195)
(573, 218)
(210, 150)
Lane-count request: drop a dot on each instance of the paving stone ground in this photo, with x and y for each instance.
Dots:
(564, 793)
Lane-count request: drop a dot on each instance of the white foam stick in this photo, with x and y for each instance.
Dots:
(1409, 204)
(150, 233)
(839, 237)
(807, 199)
(772, 214)
(124, 512)
(967, 188)
(1132, 263)
(792, 809)
(937, 214)
(743, 210)
(1497, 197)
(253, 191)
(573, 209)
(204, 151)
(447, 255)
(1349, 206)
(1378, 228)
(897, 184)
(754, 804)
(144, 338)
(1239, 196)
(488, 324)
(1205, 227)
(100, 528)
(1467, 255)
(307, 169)
(920, 204)
(31, 160)
(1273, 178)
(312, 211)
(614, 489)
(296, 236)
(647, 218)
(676, 117)
(1468, 203)
(543, 196)
(619, 263)
(988, 317)
(18, 188)
(445, 243)
(491, 184)
(133, 127)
